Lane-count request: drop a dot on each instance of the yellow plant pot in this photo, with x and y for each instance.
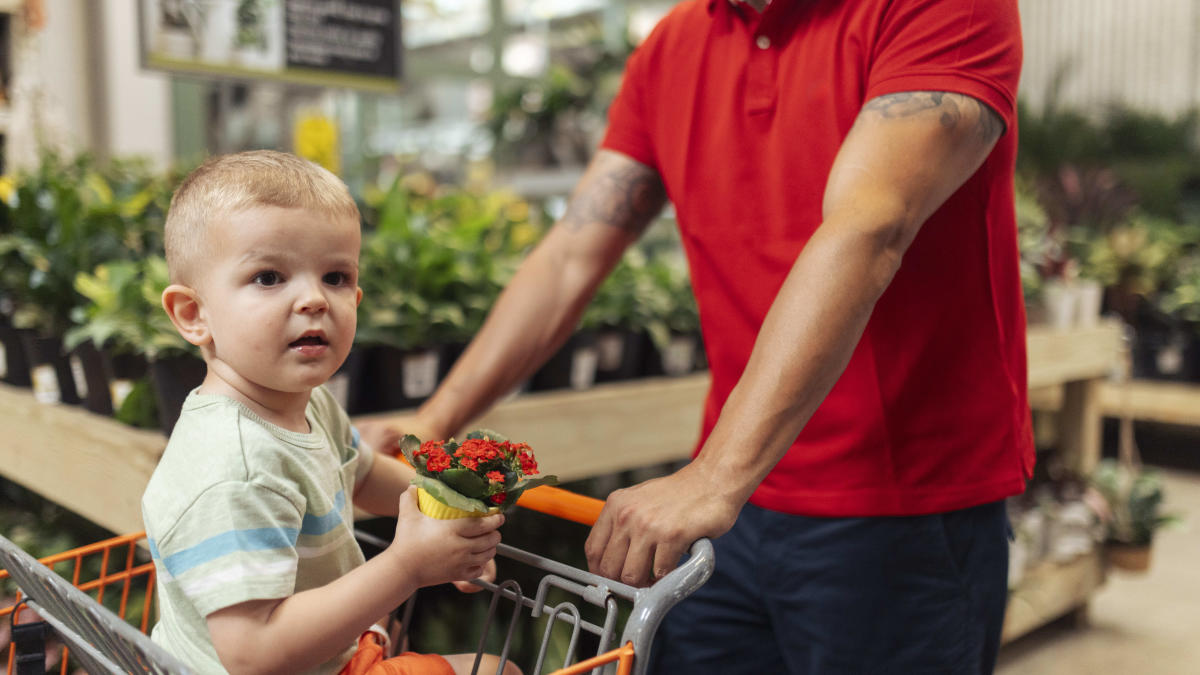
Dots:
(433, 508)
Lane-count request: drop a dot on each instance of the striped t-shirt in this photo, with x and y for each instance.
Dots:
(239, 509)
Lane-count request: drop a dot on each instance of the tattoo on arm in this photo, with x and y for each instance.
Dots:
(626, 197)
(988, 124)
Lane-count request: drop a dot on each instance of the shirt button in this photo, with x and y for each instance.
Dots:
(763, 42)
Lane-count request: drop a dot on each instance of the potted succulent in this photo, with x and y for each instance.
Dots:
(484, 474)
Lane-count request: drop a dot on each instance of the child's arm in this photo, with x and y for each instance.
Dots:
(309, 628)
(378, 491)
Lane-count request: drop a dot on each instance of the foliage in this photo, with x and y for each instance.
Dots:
(123, 313)
(69, 216)
(1181, 296)
(1134, 498)
(436, 260)
(554, 120)
(643, 292)
(483, 471)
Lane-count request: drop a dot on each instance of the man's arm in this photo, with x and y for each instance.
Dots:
(905, 155)
(612, 205)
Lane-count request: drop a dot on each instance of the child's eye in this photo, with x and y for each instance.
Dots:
(268, 278)
(336, 278)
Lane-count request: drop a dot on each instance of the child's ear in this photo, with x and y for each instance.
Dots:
(182, 304)
(358, 297)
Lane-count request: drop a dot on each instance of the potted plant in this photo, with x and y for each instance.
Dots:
(431, 267)
(53, 234)
(484, 474)
(1130, 504)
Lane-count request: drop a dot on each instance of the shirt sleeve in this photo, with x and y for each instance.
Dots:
(970, 47)
(627, 131)
(236, 542)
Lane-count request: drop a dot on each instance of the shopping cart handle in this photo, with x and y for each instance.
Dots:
(562, 504)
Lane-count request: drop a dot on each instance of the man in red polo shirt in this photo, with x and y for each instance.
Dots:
(842, 174)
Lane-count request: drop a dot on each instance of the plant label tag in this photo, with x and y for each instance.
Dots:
(3, 362)
(583, 368)
(339, 386)
(420, 374)
(78, 375)
(119, 391)
(679, 356)
(610, 349)
(45, 384)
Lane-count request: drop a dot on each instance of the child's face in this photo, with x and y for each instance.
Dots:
(280, 296)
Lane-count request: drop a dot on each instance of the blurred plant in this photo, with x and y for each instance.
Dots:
(555, 120)
(436, 260)
(652, 294)
(50, 233)
(1181, 296)
(123, 313)
(1134, 498)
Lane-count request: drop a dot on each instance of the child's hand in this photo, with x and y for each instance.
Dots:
(440, 551)
(489, 575)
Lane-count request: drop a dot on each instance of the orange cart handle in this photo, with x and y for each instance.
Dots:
(562, 504)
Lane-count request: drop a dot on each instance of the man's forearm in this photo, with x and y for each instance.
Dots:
(805, 343)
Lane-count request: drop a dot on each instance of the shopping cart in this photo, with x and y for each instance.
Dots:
(103, 640)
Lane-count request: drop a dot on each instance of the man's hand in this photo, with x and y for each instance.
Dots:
(644, 530)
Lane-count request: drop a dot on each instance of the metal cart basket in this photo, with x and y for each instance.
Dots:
(103, 639)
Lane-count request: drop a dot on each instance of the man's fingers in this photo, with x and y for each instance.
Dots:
(639, 555)
(666, 557)
(597, 541)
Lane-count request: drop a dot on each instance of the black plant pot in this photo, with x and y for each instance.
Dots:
(1165, 354)
(95, 390)
(174, 378)
(573, 366)
(347, 384)
(619, 354)
(123, 370)
(49, 368)
(14, 366)
(405, 377)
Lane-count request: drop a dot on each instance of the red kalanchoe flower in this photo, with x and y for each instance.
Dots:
(468, 462)
(438, 461)
(495, 476)
(499, 497)
(428, 446)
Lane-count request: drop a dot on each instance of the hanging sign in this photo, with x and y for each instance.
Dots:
(334, 43)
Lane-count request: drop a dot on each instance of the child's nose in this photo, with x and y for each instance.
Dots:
(312, 299)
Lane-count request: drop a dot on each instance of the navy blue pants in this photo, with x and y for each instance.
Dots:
(815, 596)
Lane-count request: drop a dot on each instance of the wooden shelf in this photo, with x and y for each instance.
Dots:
(98, 467)
(1051, 590)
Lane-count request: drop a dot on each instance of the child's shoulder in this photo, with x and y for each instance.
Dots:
(213, 442)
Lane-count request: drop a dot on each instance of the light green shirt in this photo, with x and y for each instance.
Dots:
(239, 509)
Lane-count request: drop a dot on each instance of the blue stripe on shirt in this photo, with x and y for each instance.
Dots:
(256, 539)
(317, 525)
(231, 541)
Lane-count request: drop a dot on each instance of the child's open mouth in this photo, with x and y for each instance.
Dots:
(309, 345)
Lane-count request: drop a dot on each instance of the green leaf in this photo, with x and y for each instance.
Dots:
(465, 482)
(409, 446)
(446, 495)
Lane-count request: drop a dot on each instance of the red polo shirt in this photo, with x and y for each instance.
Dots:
(742, 116)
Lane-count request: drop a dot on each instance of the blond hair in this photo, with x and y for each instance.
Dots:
(226, 184)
